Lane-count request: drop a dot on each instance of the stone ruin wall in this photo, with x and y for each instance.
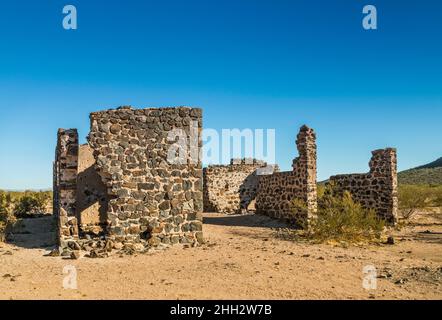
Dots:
(277, 192)
(122, 185)
(150, 198)
(377, 189)
(65, 185)
(231, 188)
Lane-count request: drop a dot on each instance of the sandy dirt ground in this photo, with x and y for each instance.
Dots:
(242, 259)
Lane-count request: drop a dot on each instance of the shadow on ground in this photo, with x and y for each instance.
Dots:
(425, 236)
(246, 220)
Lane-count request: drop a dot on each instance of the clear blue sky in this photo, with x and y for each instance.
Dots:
(248, 63)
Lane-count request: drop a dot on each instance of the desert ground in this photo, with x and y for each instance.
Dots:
(244, 258)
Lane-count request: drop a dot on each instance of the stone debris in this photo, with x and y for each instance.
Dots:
(401, 281)
(53, 253)
(97, 254)
(385, 274)
(403, 276)
(390, 240)
(75, 255)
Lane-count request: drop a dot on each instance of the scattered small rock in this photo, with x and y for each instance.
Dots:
(74, 245)
(385, 274)
(66, 253)
(118, 246)
(390, 240)
(75, 255)
(93, 254)
(401, 281)
(140, 247)
(108, 246)
(53, 253)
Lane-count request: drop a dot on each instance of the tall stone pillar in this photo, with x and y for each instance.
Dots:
(383, 169)
(65, 184)
(304, 167)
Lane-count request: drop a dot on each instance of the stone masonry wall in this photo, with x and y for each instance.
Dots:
(231, 188)
(277, 192)
(150, 198)
(377, 189)
(65, 184)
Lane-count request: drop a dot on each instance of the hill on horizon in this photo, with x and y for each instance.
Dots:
(430, 173)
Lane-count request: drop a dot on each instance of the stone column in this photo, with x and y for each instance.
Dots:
(65, 184)
(305, 167)
(383, 169)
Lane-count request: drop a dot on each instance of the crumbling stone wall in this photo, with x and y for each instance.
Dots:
(150, 198)
(231, 188)
(377, 189)
(65, 184)
(277, 192)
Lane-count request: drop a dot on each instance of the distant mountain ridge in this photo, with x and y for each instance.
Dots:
(434, 164)
(430, 173)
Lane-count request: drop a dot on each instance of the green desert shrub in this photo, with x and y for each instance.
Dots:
(411, 199)
(3, 203)
(6, 205)
(341, 219)
(31, 203)
(321, 188)
(415, 197)
(15, 204)
(5, 212)
(436, 196)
